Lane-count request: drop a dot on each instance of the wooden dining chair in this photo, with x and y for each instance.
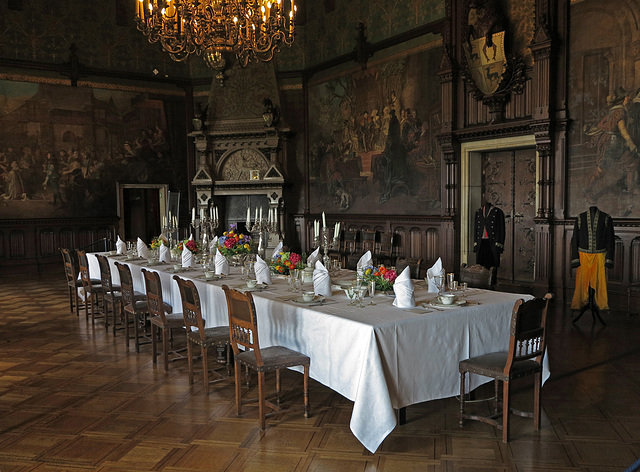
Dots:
(198, 334)
(477, 276)
(93, 302)
(135, 309)
(524, 357)
(243, 328)
(72, 273)
(415, 266)
(163, 321)
(111, 293)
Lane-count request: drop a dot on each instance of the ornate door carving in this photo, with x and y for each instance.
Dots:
(509, 182)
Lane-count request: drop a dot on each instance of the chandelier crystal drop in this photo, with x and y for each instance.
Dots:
(253, 30)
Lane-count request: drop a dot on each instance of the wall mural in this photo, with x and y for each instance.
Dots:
(373, 146)
(62, 149)
(604, 103)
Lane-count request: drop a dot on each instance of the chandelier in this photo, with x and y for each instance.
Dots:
(253, 30)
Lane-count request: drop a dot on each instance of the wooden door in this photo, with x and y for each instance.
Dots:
(509, 182)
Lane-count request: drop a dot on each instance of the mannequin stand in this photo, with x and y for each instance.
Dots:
(595, 311)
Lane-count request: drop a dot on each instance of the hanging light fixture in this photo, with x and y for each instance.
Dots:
(252, 30)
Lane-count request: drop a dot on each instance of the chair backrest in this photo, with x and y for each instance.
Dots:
(478, 276)
(350, 241)
(368, 239)
(386, 244)
(126, 283)
(83, 265)
(70, 265)
(155, 304)
(105, 273)
(414, 264)
(191, 306)
(243, 324)
(527, 338)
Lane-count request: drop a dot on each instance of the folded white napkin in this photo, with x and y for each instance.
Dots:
(213, 245)
(187, 257)
(403, 288)
(164, 239)
(221, 263)
(321, 280)
(164, 254)
(365, 261)
(263, 273)
(434, 270)
(143, 250)
(313, 257)
(121, 247)
(277, 250)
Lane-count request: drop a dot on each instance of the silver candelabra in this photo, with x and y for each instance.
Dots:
(326, 244)
(263, 228)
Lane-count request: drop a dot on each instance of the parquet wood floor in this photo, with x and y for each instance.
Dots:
(73, 398)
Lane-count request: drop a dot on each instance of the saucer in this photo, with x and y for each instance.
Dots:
(257, 288)
(317, 300)
(456, 304)
(208, 279)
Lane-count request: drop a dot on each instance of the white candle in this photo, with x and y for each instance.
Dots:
(211, 212)
(215, 210)
(256, 217)
(248, 217)
(275, 217)
(202, 213)
(260, 214)
(324, 221)
(193, 214)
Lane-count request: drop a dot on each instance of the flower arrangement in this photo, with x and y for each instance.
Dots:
(383, 277)
(283, 262)
(158, 241)
(190, 244)
(232, 243)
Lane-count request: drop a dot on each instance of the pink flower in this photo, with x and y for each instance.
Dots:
(230, 242)
(390, 275)
(295, 258)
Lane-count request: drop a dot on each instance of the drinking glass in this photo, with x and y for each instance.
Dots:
(372, 291)
(351, 292)
(450, 278)
(439, 281)
(361, 292)
(463, 287)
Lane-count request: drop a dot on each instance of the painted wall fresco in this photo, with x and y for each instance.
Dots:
(604, 104)
(373, 146)
(62, 149)
(330, 28)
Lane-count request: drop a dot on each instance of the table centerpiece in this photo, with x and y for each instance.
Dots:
(383, 277)
(234, 245)
(283, 262)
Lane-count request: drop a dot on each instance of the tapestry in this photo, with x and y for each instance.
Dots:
(62, 149)
(373, 138)
(604, 106)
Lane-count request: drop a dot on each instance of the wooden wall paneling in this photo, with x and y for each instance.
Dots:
(17, 244)
(634, 260)
(85, 238)
(416, 243)
(617, 273)
(543, 256)
(47, 242)
(66, 238)
(2, 245)
(432, 246)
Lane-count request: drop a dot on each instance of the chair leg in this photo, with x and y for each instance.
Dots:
(277, 386)
(307, 409)
(136, 331)
(190, 361)
(228, 346)
(537, 397)
(237, 369)
(506, 416)
(126, 327)
(154, 344)
(496, 394)
(165, 348)
(205, 369)
(263, 420)
(462, 394)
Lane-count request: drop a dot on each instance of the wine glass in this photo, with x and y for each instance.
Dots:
(439, 281)
(361, 292)
(372, 291)
(351, 294)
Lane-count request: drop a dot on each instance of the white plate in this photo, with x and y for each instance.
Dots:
(257, 288)
(456, 304)
(344, 283)
(317, 300)
(208, 279)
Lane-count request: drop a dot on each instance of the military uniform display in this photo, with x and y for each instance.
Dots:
(592, 249)
(488, 235)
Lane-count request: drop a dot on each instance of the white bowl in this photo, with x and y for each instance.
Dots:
(447, 299)
(308, 296)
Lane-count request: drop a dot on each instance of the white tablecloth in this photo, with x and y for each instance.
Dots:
(380, 357)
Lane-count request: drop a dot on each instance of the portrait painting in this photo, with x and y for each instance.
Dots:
(373, 137)
(62, 149)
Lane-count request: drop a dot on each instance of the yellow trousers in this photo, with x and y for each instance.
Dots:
(591, 273)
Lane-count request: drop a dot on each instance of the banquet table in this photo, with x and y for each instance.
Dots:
(380, 357)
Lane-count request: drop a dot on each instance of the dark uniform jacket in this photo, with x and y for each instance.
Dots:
(491, 218)
(593, 233)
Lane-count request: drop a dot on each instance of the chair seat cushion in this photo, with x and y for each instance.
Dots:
(113, 296)
(174, 320)
(218, 335)
(273, 357)
(492, 365)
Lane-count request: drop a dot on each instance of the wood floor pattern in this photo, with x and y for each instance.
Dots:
(73, 398)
